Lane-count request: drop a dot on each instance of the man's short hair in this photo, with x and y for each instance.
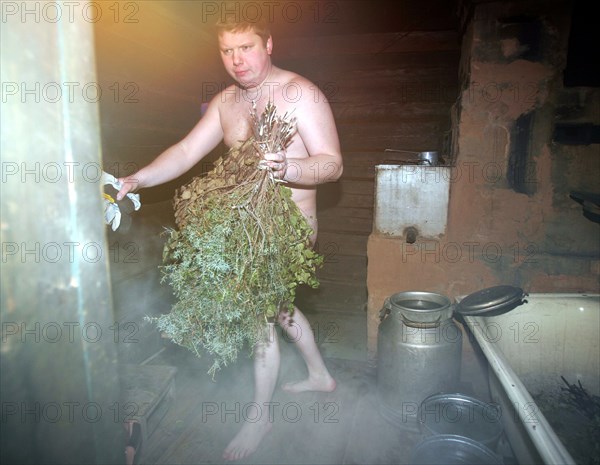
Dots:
(233, 23)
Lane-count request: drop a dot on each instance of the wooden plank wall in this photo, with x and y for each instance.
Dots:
(391, 81)
(387, 90)
(154, 65)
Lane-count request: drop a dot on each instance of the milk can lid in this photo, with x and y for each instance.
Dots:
(492, 300)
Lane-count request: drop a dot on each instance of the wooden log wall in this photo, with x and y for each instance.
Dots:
(154, 63)
(387, 90)
(389, 70)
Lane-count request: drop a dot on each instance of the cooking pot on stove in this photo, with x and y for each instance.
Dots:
(430, 158)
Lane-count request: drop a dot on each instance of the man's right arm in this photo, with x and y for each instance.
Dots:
(182, 156)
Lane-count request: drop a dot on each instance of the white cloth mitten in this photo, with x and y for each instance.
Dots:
(113, 209)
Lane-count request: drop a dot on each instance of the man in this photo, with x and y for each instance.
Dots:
(313, 157)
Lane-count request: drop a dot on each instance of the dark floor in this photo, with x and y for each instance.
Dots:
(343, 427)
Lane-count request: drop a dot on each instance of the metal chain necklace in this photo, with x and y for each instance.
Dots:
(258, 88)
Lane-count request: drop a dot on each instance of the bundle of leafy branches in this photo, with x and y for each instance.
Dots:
(241, 248)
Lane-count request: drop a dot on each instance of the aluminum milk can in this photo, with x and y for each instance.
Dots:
(419, 354)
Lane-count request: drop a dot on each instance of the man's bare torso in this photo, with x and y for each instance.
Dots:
(234, 110)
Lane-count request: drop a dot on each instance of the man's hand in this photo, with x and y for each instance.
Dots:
(128, 184)
(277, 162)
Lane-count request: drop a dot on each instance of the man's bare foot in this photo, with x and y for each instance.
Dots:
(246, 441)
(322, 384)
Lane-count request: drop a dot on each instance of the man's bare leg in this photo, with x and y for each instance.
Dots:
(298, 330)
(266, 370)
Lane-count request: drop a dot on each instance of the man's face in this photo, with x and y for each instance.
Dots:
(245, 56)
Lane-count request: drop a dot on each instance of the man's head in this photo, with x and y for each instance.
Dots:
(245, 50)
(232, 23)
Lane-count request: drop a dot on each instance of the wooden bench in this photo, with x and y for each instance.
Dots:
(148, 393)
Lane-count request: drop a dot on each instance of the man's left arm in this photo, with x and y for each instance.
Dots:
(317, 130)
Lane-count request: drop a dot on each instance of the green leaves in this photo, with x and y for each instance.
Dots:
(238, 256)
